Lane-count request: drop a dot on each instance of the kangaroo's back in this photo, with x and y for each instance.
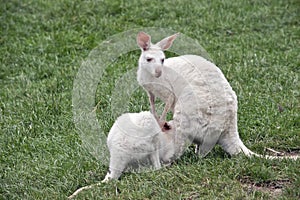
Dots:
(206, 105)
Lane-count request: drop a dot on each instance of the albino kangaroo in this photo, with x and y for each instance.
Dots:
(203, 103)
(136, 138)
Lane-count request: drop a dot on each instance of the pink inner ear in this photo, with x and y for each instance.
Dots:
(144, 41)
(167, 42)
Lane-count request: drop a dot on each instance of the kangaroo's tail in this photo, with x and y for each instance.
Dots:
(250, 153)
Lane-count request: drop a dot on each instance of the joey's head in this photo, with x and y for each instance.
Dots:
(152, 56)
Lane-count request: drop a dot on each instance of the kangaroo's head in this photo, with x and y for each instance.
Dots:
(152, 57)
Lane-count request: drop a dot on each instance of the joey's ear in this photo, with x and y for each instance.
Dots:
(143, 40)
(166, 43)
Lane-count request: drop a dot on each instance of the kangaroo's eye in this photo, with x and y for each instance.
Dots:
(149, 59)
(162, 61)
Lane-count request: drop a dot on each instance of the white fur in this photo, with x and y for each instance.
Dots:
(203, 103)
(133, 139)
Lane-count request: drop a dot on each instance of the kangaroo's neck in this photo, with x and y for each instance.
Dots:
(144, 76)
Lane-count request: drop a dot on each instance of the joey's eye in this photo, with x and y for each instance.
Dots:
(149, 59)
(162, 61)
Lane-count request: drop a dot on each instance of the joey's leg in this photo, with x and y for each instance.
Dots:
(117, 165)
(112, 174)
(197, 149)
(154, 157)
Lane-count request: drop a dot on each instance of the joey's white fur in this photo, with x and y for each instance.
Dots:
(203, 103)
(136, 138)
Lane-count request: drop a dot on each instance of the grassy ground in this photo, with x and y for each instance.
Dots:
(42, 46)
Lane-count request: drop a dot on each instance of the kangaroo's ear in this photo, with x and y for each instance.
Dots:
(143, 40)
(166, 43)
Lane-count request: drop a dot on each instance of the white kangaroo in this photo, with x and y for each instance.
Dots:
(203, 103)
(136, 139)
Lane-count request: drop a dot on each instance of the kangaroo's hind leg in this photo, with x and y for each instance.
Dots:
(230, 140)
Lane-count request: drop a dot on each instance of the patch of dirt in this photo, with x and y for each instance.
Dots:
(273, 187)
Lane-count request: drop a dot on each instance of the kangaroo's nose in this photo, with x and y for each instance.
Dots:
(157, 72)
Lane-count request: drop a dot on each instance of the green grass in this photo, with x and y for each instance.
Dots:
(42, 46)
